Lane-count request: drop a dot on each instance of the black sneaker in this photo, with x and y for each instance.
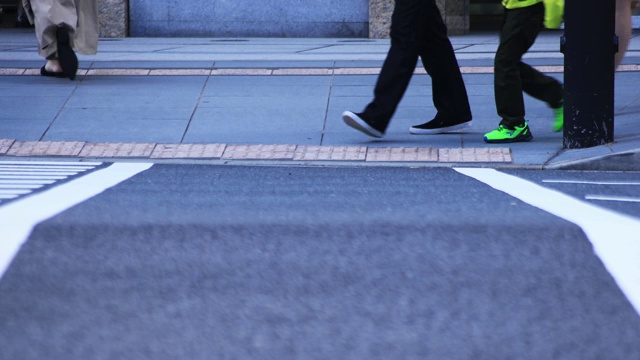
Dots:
(357, 122)
(438, 126)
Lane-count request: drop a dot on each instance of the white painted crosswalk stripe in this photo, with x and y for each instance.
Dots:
(21, 178)
(39, 173)
(44, 167)
(30, 177)
(617, 246)
(18, 218)
(20, 186)
(26, 182)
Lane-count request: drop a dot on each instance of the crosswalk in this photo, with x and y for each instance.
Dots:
(21, 178)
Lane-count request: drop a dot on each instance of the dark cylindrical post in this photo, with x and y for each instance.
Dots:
(589, 45)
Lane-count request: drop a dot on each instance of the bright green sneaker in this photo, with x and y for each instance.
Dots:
(558, 123)
(505, 135)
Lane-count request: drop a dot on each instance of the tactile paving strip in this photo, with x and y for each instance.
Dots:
(274, 72)
(340, 153)
(5, 145)
(259, 152)
(403, 154)
(46, 148)
(188, 151)
(10, 147)
(475, 155)
(117, 150)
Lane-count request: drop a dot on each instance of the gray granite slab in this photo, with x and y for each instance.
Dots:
(117, 130)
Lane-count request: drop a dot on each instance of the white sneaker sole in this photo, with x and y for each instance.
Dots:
(418, 131)
(357, 123)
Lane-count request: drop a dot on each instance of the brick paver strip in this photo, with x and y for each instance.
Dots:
(402, 154)
(45, 148)
(117, 150)
(345, 153)
(256, 152)
(5, 144)
(475, 155)
(188, 151)
(356, 71)
(120, 72)
(282, 71)
(11, 71)
(180, 72)
(241, 72)
(302, 72)
(500, 155)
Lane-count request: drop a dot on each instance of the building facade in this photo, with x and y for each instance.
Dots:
(271, 18)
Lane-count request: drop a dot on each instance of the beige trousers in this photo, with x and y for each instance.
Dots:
(80, 17)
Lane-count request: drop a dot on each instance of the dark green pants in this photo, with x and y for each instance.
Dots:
(512, 76)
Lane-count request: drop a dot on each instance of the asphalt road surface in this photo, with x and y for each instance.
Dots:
(234, 262)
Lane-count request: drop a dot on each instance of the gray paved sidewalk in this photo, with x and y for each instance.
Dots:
(165, 92)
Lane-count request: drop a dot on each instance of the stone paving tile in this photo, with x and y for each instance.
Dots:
(46, 148)
(345, 153)
(475, 155)
(5, 144)
(403, 154)
(180, 72)
(117, 150)
(188, 151)
(256, 152)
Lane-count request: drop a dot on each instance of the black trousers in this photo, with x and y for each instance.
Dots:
(512, 76)
(417, 29)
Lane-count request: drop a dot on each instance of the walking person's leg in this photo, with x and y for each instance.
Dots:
(449, 92)
(55, 21)
(396, 72)
(544, 88)
(519, 31)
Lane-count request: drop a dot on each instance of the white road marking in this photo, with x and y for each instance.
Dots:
(32, 177)
(589, 182)
(612, 198)
(39, 173)
(17, 219)
(20, 186)
(13, 192)
(17, 182)
(45, 167)
(614, 236)
(50, 163)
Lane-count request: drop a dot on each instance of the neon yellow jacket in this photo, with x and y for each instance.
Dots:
(553, 10)
(553, 13)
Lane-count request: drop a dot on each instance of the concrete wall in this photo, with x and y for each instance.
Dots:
(250, 18)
